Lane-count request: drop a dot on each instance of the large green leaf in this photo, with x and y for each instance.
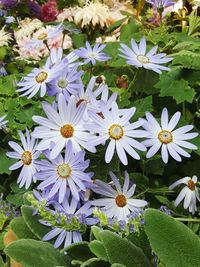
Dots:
(98, 249)
(173, 242)
(21, 229)
(79, 251)
(120, 250)
(32, 253)
(95, 262)
(5, 162)
(32, 222)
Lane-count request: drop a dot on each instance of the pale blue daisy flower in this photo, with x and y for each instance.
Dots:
(161, 4)
(138, 57)
(118, 203)
(68, 83)
(65, 174)
(116, 128)
(92, 55)
(60, 127)
(27, 156)
(37, 80)
(167, 139)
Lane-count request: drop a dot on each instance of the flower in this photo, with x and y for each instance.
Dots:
(137, 56)
(118, 203)
(92, 55)
(189, 193)
(49, 11)
(63, 173)
(67, 14)
(3, 122)
(119, 131)
(68, 82)
(93, 15)
(9, 3)
(165, 137)
(161, 4)
(37, 80)
(27, 156)
(5, 37)
(62, 126)
(71, 210)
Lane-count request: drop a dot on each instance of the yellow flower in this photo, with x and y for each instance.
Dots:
(5, 37)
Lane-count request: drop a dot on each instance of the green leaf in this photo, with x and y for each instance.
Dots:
(79, 40)
(32, 253)
(94, 262)
(1, 262)
(5, 162)
(79, 251)
(115, 25)
(20, 228)
(98, 249)
(120, 250)
(142, 105)
(129, 31)
(173, 242)
(171, 84)
(96, 231)
(16, 195)
(32, 222)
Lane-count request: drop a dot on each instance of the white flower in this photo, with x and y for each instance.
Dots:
(189, 193)
(62, 126)
(138, 57)
(5, 37)
(118, 203)
(27, 156)
(3, 122)
(92, 14)
(37, 80)
(112, 126)
(165, 137)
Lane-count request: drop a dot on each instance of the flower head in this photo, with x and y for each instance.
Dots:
(63, 173)
(68, 83)
(189, 193)
(116, 128)
(138, 57)
(165, 137)
(27, 156)
(62, 126)
(92, 55)
(118, 203)
(38, 80)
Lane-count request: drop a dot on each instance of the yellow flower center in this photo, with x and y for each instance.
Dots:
(42, 36)
(165, 136)
(116, 131)
(26, 157)
(67, 131)
(64, 171)
(41, 77)
(143, 59)
(92, 55)
(120, 201)
(191, 185)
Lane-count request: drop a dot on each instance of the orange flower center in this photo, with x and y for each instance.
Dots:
(120, 201)
(67, 130)
(191, 185)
